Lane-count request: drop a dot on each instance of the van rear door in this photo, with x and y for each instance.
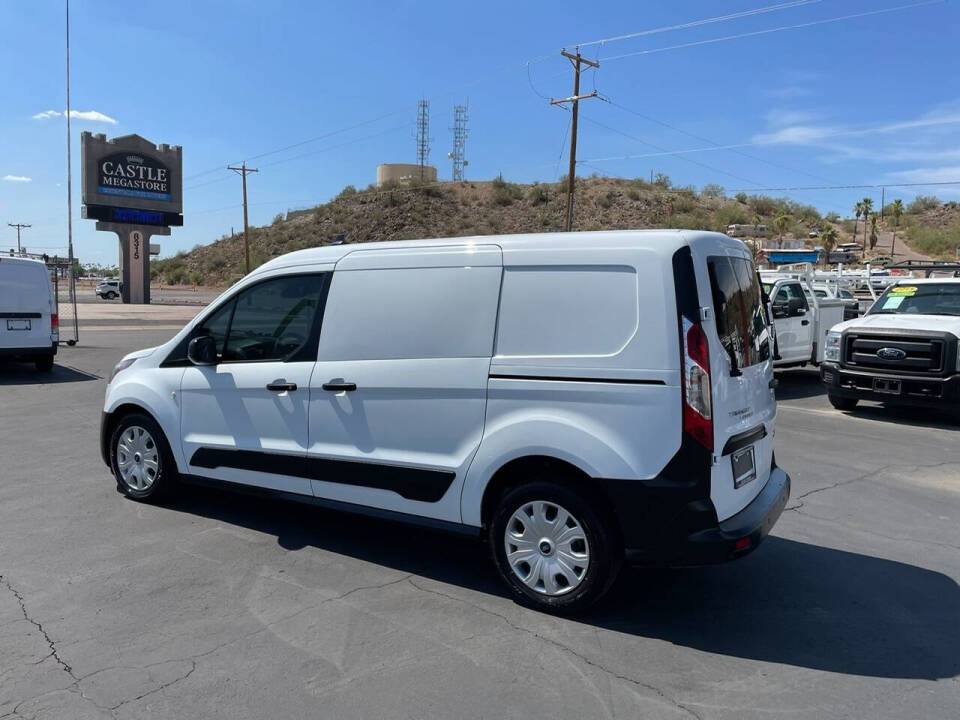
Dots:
(741, 356)
(26, 304)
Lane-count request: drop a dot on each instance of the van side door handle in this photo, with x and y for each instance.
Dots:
(339, 386)
(281, 386)
(804, 322)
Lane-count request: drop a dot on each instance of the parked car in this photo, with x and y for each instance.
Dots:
(801, 319)
(108, 289)
(578, 400)
(903, 351)
(29, 324)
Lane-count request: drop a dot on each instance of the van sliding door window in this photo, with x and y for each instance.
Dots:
(738, 307)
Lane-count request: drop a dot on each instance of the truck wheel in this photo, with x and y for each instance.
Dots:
(141, 459)
(842, 403)
(44, 363)
(553, 547)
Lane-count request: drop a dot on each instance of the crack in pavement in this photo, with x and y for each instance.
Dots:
(564, 648)
(39, 626)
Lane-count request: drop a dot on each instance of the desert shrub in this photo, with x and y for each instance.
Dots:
(741, 197)
(689, 221)
(605, 200)
(832, 217)
(942, 243)
(923, 202)
(538, 195)
(763, 204)
(729, 215)
(684, 202)
(663, 181)
(348, 191)
(713, 190)
(505, 193)
(633, 194)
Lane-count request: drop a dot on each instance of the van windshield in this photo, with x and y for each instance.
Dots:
(738, 306)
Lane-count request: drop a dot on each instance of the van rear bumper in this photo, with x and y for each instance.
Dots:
(694, 536)
(50, 349)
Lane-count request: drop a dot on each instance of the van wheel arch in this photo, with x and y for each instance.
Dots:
(530, 468)
(114, 417)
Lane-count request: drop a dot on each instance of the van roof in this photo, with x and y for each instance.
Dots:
(667, 241)
(18, 260)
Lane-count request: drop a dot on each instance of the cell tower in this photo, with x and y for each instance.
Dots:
(423, 136)
(460, 134)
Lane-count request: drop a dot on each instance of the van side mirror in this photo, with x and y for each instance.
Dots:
(202, 350)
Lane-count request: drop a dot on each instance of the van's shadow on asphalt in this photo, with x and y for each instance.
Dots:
(789, 602)
(20, 373)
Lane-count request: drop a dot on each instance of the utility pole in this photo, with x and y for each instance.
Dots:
(18, 226)
(576, 60)
(242, 171)
(883, 194)
(73, 280)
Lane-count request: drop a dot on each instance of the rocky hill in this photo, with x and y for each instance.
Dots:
(483, 208)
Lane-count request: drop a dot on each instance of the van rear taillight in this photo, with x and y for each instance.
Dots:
(697, 411)
(54, 322)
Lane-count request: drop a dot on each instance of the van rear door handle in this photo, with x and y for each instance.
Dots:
(339, 386)
(281, 386)
(804, 322)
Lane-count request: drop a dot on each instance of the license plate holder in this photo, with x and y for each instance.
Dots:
(18, 324)
(744, 467)
(886, 386)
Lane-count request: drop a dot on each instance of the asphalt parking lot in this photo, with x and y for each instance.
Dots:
(223, 606)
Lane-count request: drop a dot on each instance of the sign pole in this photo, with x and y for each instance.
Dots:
(73, 287)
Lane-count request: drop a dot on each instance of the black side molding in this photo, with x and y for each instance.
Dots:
(21, 315)
(409, 483)
(562, 378)
(744, 439)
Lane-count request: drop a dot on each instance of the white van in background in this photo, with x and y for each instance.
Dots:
(578, 400)
(29, 326)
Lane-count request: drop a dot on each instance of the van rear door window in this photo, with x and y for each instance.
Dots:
(738, 306)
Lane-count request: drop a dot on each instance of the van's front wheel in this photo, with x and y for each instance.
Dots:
(141, 459)
(553, 547)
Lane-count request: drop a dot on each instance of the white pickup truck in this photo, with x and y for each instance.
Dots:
(903, 351)
(800, 318)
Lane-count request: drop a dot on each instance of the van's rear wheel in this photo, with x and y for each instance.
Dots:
(553, 547)
(141, 459)
(842, 403)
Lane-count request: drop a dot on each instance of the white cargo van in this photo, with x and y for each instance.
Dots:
(577, 400)
(29, 326)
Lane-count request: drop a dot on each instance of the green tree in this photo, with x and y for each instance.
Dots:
(867, 209)
(857, 211)
(828, 239)
(780, 224)
(897, 210)
(874, 220)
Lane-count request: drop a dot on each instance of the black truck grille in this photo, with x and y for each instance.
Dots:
(918, 355)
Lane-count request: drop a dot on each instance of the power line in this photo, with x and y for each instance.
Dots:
(19, 227)
(706, 21)
(663, 152)
(798, 188)
(768, 31)
(716, 144)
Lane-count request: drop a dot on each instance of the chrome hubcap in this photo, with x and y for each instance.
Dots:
(546, 548)
(137, 458)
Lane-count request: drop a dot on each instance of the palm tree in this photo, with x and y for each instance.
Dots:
(780, 225)
(828, 239)
(874, 219)
(858, 211)
(867, 209)
(897, 210)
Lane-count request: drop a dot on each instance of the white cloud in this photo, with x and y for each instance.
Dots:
(17, 178)
(89, 115)
(778, 117)
(947, 173)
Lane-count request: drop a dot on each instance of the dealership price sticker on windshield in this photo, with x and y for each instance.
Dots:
(893, 302)
(904, 290)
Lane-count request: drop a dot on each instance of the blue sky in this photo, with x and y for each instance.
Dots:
(871, 99)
